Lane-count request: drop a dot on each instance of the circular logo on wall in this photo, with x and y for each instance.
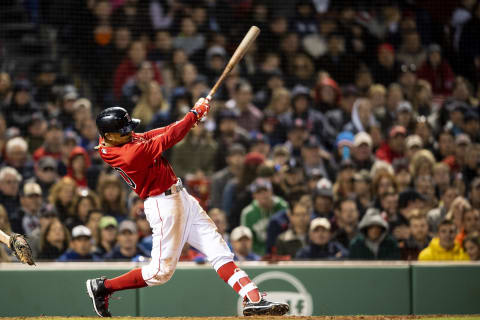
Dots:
(300, 301)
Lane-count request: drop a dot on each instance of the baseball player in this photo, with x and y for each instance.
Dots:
(174, 215)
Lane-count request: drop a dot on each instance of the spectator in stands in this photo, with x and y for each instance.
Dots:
(241, 240)
(93, 221)
(336, 61)
(16, 156)
(395, 146)
(107, 236)
(219, 217)
(112, 196)
(419, 236)
(162, 47)
(9, 187)
(80, 246)
(46, 174)
(363, 190)
(373, 241)
(200, 142)
(62, 196)
(471, 224)
(55, 240)
(36, 130)
(22, 106)
(235, 159)
(295, 238)
(472, 246)
(127, 248)
(345, 221)
(443, 247)
(255, 216)
(249, 116)
(46, 215)
(26, 218)
(78, 163)
(320, 245)
(228, 132)
(84, 202)
(437, 71)
(457, 211)
(138, 85)
(387, 68)
(362, 117)
(438, 214)
(151, 104)
(137, 54)
(411, 51)
(52, 144)
(362, 149)
(188, 38)
(323, 202)
(5, 89)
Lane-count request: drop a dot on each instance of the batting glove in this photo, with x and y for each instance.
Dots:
(201, 108)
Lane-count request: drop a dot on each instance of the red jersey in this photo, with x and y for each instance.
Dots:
(140, 162)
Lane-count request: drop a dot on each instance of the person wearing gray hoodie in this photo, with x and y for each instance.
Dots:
(373, 241)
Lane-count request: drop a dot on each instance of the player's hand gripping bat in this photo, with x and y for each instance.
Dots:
(242, 48)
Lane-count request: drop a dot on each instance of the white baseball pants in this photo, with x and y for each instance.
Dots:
(176, 219)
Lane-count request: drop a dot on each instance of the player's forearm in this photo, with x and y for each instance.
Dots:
(178, 130)
(4, 238)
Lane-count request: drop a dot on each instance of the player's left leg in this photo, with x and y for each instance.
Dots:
(204, 237)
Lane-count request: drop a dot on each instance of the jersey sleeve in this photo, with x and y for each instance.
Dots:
(155, 132)
(173, 134)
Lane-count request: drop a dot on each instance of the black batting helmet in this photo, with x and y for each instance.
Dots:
(115, 119)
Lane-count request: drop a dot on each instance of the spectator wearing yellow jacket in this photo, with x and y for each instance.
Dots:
(444, 247)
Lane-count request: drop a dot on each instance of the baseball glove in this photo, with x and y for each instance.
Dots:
(21, 248)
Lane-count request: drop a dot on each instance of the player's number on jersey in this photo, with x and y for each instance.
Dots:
(127, 179)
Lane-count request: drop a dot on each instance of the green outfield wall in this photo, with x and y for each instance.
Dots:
(310, 288)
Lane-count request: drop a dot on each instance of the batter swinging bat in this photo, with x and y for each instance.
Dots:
(242, 48)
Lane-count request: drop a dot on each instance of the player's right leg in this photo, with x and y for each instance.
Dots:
(204, 237)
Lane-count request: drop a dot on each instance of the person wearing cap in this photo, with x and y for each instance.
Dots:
(46, 174)
(413, 143)
(290, 241)
(373, 242)
(317, 123)
(294, 178)
(241, 240)
(394, 147)
(228, 133)
(80, 246)
(107, 235)
(362, 151)
(259, 143)
(405, 115)
(437, 71)
(297, 134)
(250, 116)
(443, 247)
(77, 166)
(343, 145)
(257, 214)
(235, 159)
(320, 245)
(127, 248)
(323, 200)
(27, 216)
(53, 142)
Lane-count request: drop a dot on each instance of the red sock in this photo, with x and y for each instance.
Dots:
(130, 280)
(239, 281)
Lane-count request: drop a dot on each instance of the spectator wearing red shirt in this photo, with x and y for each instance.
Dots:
(437, 71)
(395, 146)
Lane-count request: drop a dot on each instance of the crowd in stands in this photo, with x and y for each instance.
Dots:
(351, 129)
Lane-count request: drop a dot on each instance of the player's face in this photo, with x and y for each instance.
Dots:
(117, 138)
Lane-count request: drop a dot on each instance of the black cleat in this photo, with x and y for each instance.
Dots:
(99, 295)
(265, 308)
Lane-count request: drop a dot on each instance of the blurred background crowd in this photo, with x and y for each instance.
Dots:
(349, 131)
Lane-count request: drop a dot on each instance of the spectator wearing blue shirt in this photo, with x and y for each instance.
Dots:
(127, 248)
(81, 246)
(241, 239)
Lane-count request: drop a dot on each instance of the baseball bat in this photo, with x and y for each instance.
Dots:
(242, 48)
